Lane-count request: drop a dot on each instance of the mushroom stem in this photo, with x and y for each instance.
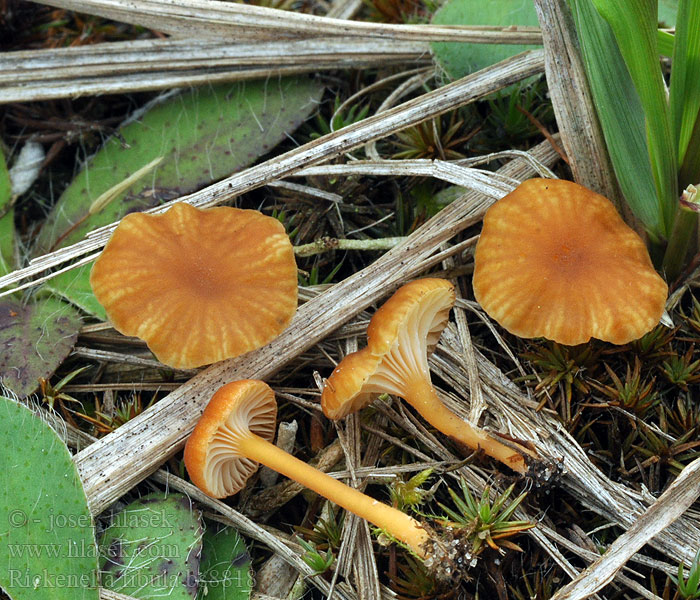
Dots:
(421, 395)
(396, 523)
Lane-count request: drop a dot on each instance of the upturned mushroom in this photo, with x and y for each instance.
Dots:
(556, 260)
(234, 434)
(198, 285)
(401, 335)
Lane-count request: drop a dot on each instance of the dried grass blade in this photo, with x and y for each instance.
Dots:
(158, 64)
(572, 102)
(227, 20)
(151, 81)
(106, 594)
(591, 556)
(669, 507)
(119, 58)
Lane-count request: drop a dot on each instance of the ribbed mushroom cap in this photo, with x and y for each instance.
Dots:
(401, 334)
(235, 410)
(198, 285)
(556, 260)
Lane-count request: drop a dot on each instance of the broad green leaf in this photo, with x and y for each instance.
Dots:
(685, 77)
(621, 115)
(7, 220)
(224, 572)
(634, 23)
(460, 59)
(202, 135)
(152, 548)
(47, 538)
(34, 340)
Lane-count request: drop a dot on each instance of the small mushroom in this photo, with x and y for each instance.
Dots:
(198, 285)
(400, 336)
(556, 260)
(234, 434)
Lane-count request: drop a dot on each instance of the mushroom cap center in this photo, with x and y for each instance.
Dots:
(569, 258)
(201, 277)
(565, 255)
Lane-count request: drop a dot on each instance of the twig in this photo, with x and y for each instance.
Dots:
(543, 130)
(326, 244)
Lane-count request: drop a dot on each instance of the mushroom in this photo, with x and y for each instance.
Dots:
(234, 434)
(198, 285)
(400, 336)
(556, 260)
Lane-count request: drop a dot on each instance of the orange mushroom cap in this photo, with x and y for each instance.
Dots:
(400, 336)
(556, 260)
(211, 457)
(198, 285)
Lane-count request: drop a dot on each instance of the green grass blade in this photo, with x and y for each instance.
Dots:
(508, 512)
(621, 115)
(685, 76)
(634, 24)
(455, 516)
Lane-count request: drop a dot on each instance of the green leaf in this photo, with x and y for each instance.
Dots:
(684, 92)
(460, 59)
(621, 116)
(225, 566)
(203, 135)
(152, 548)
(634, 24)
(47, 538)
(74, 286)
(34, 340)
(7, 220)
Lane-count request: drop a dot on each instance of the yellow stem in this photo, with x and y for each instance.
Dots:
(422, 396)
(393, 521)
